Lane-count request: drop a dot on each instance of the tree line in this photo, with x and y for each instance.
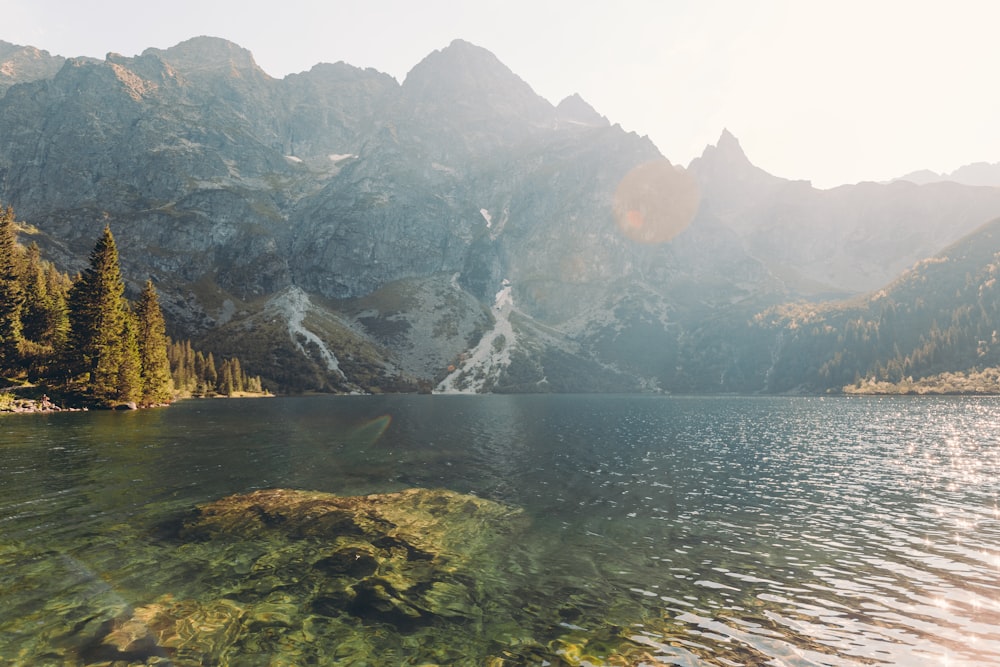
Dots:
(196, 374)
(83, 337)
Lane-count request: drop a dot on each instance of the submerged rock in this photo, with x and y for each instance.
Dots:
(294, 571)
(284, 577)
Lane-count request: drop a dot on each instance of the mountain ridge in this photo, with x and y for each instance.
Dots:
(985, 174)
(394, 214)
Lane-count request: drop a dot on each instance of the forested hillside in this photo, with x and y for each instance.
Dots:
(940, 317)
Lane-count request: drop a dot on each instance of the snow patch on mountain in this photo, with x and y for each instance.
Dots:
(498, 227)
(491, 355)
(294, 305)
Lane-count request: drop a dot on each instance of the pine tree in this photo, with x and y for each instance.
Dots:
(177, 371)
(211, 374)
(157, 385)
(98, 343)
(43, 317)
(57, 285)
(34, 314)
(11, 292)
(189, 370)
(199, 372)
(239, 377)
(226, 384)
(129, 386)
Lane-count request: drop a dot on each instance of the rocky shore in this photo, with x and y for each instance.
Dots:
(10, 403)
(29, 405)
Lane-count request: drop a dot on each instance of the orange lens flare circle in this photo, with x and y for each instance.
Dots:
(655, 202)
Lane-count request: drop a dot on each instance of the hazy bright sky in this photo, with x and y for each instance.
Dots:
(834, 92)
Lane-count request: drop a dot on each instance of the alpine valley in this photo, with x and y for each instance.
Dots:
(340, 231)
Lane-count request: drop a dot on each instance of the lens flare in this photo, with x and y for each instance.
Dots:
(369, 432)
(655, 202)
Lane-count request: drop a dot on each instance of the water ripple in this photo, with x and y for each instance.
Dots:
(721, 531)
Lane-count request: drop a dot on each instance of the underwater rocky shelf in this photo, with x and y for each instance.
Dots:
(289, 577)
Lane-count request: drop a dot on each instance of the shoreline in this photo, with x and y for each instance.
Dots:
(37, 406)
(45, 405)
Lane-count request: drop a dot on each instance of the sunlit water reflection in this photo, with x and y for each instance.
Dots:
(791, 531)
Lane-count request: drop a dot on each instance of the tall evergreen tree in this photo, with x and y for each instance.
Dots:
(11, 291)
(57, 316)
(175, 352)
(227, 386)
(238, 376)
(157, 385)
(129, 387)
(98, 343)
(34, 314)
(211, 374)
(187, 360)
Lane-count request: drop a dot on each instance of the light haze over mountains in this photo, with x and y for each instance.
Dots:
(977, 173)
(833, 93)
(339, 230)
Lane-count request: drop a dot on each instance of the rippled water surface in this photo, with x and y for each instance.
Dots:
(687, 531)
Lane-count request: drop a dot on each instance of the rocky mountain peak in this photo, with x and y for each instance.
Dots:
(459, 65)
(725, 165)
(473, 81)
(20, 64)
(727, 152)
(576, 110)
(208, 54)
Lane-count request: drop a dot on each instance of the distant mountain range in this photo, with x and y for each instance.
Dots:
(986, 174)
(341, 231)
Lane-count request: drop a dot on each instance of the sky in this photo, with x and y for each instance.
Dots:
(832, 92)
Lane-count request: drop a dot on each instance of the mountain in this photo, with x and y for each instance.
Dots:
(986, 174)
(20, 64)
(942, 315)
(574, 109)
(341, 231)
(849, 239)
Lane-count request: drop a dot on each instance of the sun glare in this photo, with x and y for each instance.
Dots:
(655, 202)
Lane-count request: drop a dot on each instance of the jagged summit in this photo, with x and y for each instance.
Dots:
(20, 64)
(575, 109)
(727, 141)
(462, 67)
(726, 162)
(9, 50)
(466, 86)
(207, 53)
(727, 150)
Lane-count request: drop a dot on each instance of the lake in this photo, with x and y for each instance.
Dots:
(559, 530)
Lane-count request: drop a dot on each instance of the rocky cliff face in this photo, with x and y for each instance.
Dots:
(341, 231)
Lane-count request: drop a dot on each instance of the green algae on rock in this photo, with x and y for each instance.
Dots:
(299, 573)
(284, 577)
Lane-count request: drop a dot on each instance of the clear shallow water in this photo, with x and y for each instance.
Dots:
(792, 531)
